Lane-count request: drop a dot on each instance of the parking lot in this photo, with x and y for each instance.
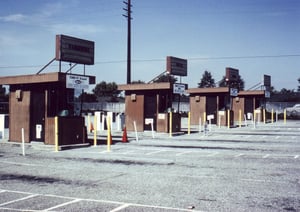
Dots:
(239, 169)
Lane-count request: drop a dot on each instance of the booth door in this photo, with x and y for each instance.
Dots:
(211, 107)
(248, 105)
(37, 120)
(150, 110)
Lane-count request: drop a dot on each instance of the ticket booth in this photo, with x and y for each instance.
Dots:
(35, 101)
(147, 106)
(209, 102)
(249, 102)
(215, 103)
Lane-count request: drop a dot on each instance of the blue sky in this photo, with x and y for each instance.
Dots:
(255, 36)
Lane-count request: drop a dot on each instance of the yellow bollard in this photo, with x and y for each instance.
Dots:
(189, 123)
(56, 133)
(240, 118)
(95, 130)
(272, 116)
(170, 125)
(108, 134)
(228, 119)
(204, 118)
(284, 116)
(264, 114)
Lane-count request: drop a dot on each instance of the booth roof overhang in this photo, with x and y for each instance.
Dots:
(150, 86)
(39, 78)
(224, 90)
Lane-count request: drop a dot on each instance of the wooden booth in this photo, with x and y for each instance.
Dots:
(35, 101)
(209, 103)
(147, 106)
(214, 103)
(249, 102)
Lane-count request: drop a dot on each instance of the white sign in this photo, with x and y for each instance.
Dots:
(267, 94)
(234, 92)
(178, 88)
(210, 117)
(77, 82)
(148, 121)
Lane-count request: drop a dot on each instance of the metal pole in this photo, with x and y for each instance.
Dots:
(128, 16)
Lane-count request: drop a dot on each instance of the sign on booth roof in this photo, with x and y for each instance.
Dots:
(179, 88)
(77, 82)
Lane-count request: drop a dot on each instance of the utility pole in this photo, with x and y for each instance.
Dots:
(128, 16)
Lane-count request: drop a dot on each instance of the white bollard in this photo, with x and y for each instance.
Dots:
(23, 142)
(135, 129)
(152, 129)
(200, 125)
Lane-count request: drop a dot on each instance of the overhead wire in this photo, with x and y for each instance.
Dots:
(159, 60)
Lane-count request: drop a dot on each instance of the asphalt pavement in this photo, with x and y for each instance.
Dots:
(238, 169)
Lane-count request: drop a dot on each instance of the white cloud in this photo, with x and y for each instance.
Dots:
(19, 18)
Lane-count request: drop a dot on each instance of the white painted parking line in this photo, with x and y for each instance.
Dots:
(128, 152)
(20, 199)
(239, 155)
(277, 137)
(296, 156)
(123, 205)
(182, 153)
(120, 208)
(267, 155)
(62, 205)
(19, 164)
(212, 154)
(155, 152)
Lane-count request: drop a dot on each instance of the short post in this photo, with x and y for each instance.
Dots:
(152, 129)
(240, 118)
(205, 128)
(272, 116)
(200, 125)
(95, 130)
(264, 115)
(56, 133)
(170, 125)
(23, 142)
(284, 116)
(189, 123)
(108, 133)
(254, 118)
(135, 129)
(228, 119)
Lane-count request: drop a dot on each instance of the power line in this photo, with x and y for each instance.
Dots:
(160, 60)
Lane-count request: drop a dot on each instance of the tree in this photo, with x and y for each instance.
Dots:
(106, 91)
(166, 78)
(298, 85)
(240, 83)
(88, 97)
(207, 81)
